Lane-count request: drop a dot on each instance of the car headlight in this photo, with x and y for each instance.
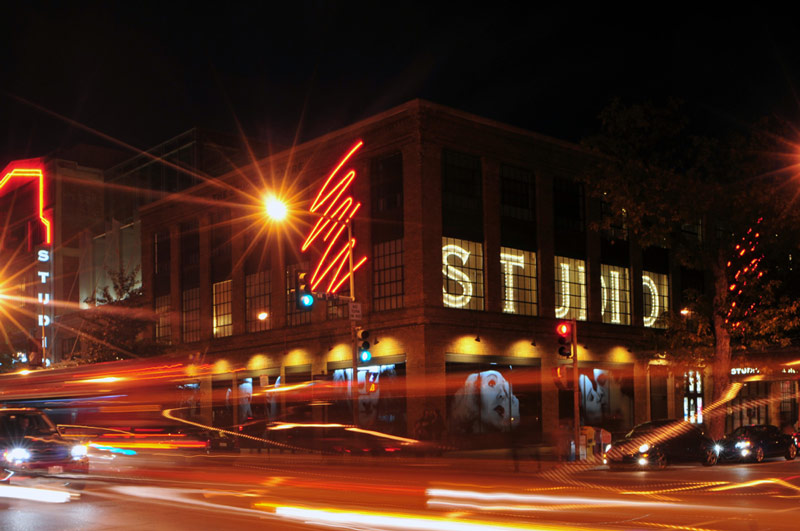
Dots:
(608, 447)
(717, 448)
(743, 444)
(79, 450)
(15, 455)
(643, 448)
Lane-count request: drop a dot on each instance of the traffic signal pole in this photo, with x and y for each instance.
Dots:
(353, 337)
(576, 405)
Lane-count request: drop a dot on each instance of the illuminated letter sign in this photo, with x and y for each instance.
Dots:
(19, 174)
(571, 276)
(44, 291)
(457, 275)
(335, 213)
(509, 262)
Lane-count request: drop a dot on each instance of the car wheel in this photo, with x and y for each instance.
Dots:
(791, 452)
(758, 454)
(711, 458)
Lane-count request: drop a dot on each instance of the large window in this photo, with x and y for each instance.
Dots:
(163, 325)
(462, 196)
(616, 294)
(257, 295)
(223, 312)
(519, 281)
(462, 274)
(568, 205)
(295, 317)
(656, 299)
(191, 315)
(570, 275)
(387, 275)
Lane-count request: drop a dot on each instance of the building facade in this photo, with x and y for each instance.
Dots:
(477, 242)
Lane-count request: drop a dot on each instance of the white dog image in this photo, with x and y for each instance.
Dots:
(484, 403)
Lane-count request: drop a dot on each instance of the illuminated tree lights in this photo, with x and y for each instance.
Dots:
(747, 261)
(335, 214)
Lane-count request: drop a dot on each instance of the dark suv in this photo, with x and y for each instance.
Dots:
(30, 443)
(657, 443)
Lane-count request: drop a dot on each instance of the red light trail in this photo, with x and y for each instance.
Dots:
(31, 173)
(336, 215)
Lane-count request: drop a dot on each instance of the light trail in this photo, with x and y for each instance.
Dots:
(378, 520)
(35, 494)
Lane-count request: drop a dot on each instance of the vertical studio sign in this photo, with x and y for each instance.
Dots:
(44, 268)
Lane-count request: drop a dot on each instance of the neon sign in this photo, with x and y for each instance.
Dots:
(31, 173)
(335, 213)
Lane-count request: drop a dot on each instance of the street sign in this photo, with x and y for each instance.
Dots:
(355, 311)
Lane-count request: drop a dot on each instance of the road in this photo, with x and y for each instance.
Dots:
(286, 491)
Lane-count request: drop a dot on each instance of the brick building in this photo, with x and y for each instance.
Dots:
(477, 238)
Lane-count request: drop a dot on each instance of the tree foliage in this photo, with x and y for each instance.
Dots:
(722, 204)
(113, 328)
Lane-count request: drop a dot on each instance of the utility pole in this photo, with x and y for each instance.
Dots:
(576, 390)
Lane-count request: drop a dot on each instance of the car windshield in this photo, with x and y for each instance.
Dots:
(649, 427)
(748, 431)
(20, 424)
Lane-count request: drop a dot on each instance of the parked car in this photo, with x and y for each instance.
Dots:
(757, 442)
(31, 444)
(657, 443)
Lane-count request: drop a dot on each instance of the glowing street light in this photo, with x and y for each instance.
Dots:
(263, 316)
(275, 208)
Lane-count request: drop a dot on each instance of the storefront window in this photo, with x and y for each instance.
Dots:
(489, 403)
(381, 400)
(693, 397)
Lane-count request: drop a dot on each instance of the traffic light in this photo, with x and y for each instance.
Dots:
(303, 297)
(562, 377)
(362, 340)
(564, 331)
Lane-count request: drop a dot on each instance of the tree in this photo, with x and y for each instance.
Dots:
(113, 328)
(720, 204)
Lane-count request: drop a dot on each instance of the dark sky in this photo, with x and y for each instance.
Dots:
(145, 72)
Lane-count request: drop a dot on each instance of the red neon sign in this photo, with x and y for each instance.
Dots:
(335, 213)
(31, 173)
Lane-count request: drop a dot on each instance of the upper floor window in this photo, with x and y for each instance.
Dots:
(517, 193)
(191, 315)
(569, 205)
(387, 275)
(462, 274)
(257, 296)
(223, 310)
(462, 196)
(163, 325)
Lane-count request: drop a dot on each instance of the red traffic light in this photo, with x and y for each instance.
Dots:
(563, 329)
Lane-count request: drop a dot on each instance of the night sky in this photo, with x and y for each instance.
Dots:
(145, 72)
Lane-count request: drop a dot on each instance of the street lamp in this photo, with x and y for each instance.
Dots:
(275, 208)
